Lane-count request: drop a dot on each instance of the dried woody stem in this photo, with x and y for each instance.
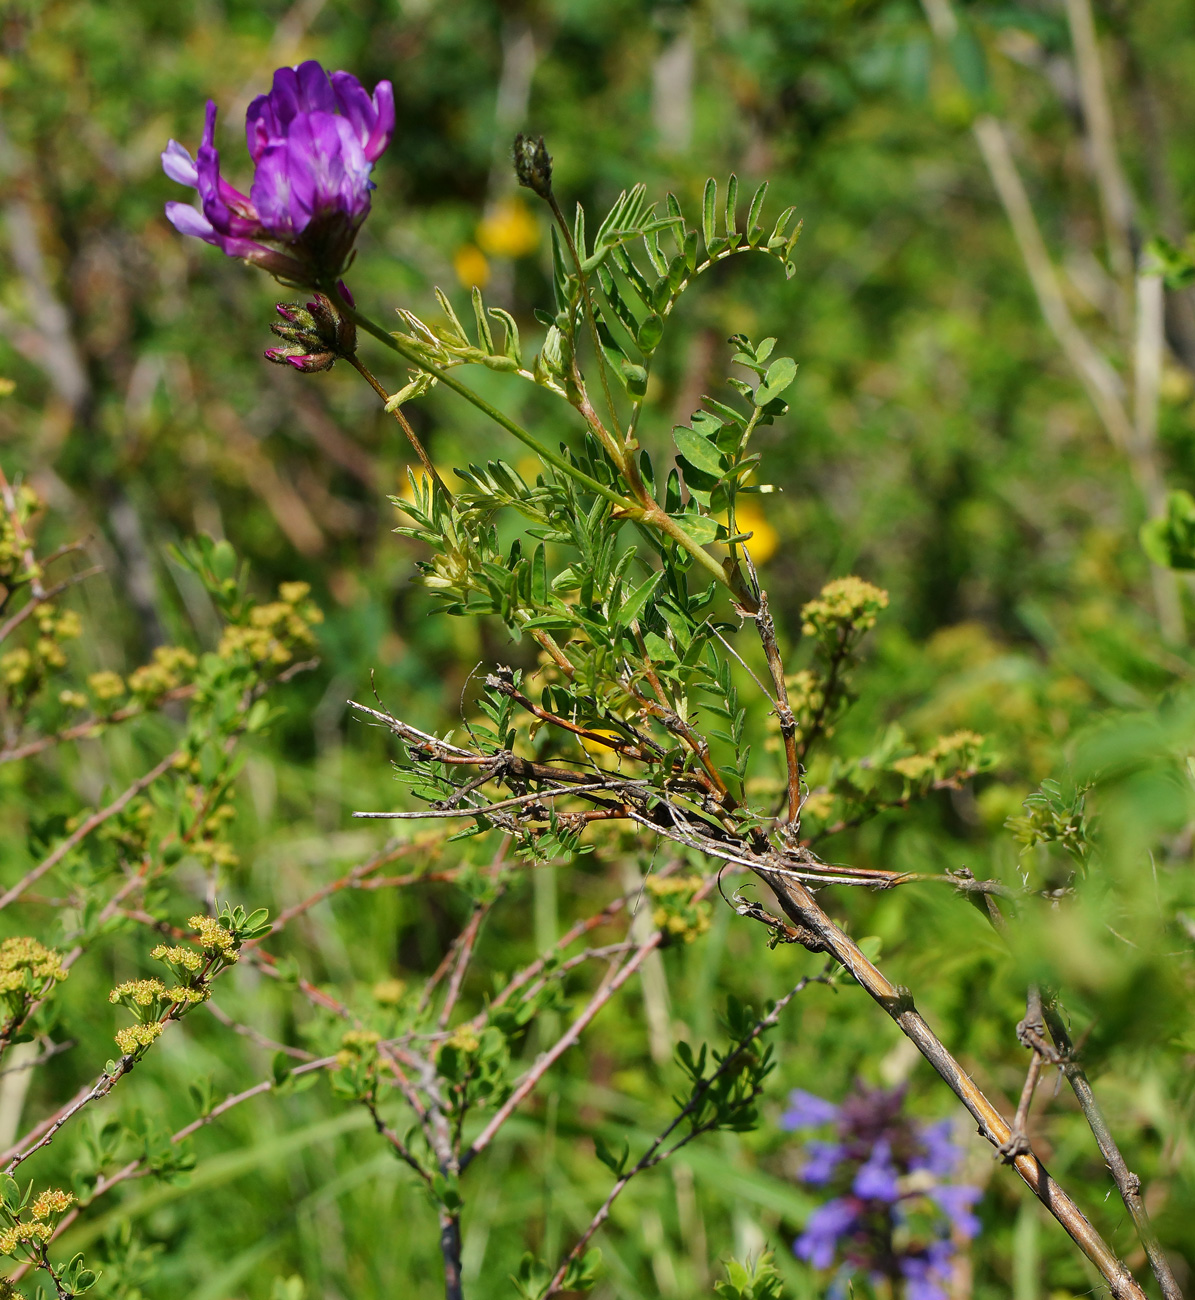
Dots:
(1127, 1182)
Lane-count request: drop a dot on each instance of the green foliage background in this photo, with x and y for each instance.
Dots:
(936, 445)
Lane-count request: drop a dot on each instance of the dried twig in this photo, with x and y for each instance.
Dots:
(1127, 1182)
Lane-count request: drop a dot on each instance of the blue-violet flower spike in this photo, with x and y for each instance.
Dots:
(313, 141)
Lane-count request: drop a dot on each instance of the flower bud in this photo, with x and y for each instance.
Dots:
(533, 165)
(307, 362)
(314, 335)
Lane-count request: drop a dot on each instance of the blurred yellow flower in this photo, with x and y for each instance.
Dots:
(603, 757)
(509, 229)
(749, 518)
(471, 267)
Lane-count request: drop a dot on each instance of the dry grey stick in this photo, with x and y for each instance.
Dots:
(1127, 1182)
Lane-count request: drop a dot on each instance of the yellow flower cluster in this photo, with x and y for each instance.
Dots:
(464, 1039)
(676, 913)
(806, 694)
(187, 996)
(51, 1201)
(213, 937)
(21, 666)
(136, 1036)
(55, 628)
(958, 746)
(818, 804)
(22, 954)
(274, 630)
(389, 992)
(163, 673)
(914, 767)
(106, 685)
(845, 602)
(144, 993)
(12, 546)
(12, 1237)
(186, 958)
(956, 752)
(15, 666)
(215, 852)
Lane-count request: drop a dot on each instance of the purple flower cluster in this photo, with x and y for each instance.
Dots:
(313, 140)
(896, 1215)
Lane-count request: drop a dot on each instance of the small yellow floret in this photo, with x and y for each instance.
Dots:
(143, 993)
(212, 935)
(189, 997)
(188, 958)
(136, 1036)
(51, 1201)
(464, 1039)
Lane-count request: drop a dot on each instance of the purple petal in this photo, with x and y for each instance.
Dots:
(229, 211)
(877, 1179)
(822, 1158)
(921, 1284)
(805, 1110)
(941, 1155)
(284, 100)
(372, 118)
(283, 212)
(315, 93)
(379, 138)
(955, 1201)
(178, 164)
(328, 168)
(357, 107)
(823, 1229)
(261, 126)
(190, 221)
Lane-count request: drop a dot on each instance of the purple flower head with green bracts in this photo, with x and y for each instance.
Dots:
(313, 141)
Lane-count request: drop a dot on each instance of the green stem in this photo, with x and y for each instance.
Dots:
(587, 305)
(475, 399)
(649, 514)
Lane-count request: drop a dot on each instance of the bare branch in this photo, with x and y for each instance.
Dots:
(1127, 1182)
(85, 828)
